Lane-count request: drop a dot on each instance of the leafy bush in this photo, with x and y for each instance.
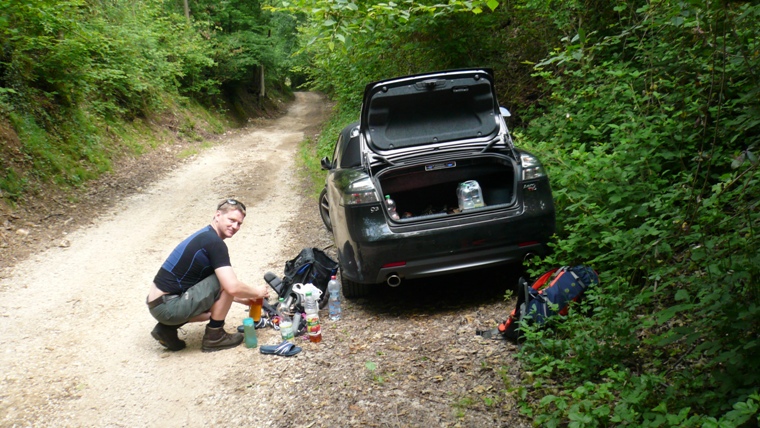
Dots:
(648, 122)
(72, 73)
(349, 44)
(649, 140)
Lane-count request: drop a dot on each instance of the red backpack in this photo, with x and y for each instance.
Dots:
(549, 295)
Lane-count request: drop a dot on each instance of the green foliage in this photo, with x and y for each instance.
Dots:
(350, 44)
(237, 36)
(373, 374)
(130, 64)
(649, 138)
(312, 152)
(72, 71)
(646, 115)
(11, 185)
(648, 124)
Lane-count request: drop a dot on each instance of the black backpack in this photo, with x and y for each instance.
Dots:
(549, 295)
(310, 266)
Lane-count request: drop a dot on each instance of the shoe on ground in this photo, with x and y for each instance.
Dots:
(167, 336)
(216, 338)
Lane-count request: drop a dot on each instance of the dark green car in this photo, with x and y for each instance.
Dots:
(437, 147)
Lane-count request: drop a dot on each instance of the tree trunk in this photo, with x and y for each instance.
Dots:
(262, 87)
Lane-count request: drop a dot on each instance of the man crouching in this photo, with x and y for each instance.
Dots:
(196, 283)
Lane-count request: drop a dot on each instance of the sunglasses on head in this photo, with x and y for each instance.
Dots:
(231, 202)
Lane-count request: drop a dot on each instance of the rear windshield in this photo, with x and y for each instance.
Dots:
(431, 112)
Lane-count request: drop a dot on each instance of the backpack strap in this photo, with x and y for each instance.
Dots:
(500, 332)
(543, 278)
(578, 280)
(504, 325)
(506, 328)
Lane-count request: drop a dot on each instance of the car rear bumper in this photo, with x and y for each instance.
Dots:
(373, 252)
(460, 262)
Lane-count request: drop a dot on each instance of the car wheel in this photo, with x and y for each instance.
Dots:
(324, 210)
(353, 289)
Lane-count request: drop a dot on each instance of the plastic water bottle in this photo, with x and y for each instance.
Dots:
(251, 341)
(296, 324)
(469, 195)
(313, 329)
(333, 287)
(391, 206)
(464, 196)
(281, 306)
(286, 324)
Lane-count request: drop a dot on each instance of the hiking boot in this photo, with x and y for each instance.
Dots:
(167, 336)
(216, 339)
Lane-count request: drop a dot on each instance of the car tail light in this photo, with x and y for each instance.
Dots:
(393, 265)
(360, 192)
(532, 168)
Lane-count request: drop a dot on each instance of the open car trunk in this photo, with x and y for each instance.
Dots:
(430, 109)
(430, 190)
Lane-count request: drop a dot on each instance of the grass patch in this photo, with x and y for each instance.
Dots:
(75, 145)
(312, 152)
(312, 169)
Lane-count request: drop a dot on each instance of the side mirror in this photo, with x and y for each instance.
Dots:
(505, 112)
(326, 164)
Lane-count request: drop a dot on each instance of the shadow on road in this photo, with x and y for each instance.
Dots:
(462, 291)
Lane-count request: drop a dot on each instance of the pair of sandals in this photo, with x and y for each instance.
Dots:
(284, 349)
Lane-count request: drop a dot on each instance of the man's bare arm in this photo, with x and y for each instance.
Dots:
(232, 285)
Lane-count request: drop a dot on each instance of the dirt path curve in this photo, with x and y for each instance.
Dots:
(75, 330)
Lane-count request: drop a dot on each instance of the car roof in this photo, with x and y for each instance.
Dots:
(429, 109)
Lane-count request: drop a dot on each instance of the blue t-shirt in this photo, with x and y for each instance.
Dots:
(192, 260)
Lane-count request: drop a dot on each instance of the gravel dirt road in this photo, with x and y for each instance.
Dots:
(77, 350)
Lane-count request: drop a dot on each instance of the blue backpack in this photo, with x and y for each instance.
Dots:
(549, 295)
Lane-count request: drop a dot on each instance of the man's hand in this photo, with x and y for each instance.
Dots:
(262, 291)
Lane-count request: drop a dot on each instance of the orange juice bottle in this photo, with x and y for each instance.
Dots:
(255, 309)
(313, 328)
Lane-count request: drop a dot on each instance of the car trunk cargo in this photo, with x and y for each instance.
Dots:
(430, 190)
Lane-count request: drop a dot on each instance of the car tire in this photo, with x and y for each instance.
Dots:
(352, 290)
(324, 210)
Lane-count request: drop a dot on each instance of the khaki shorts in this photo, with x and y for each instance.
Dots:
(196, 300)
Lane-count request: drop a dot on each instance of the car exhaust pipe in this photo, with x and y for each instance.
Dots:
(529, 256)
(393, 280)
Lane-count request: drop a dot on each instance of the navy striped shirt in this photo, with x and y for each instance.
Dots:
(192, 260)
